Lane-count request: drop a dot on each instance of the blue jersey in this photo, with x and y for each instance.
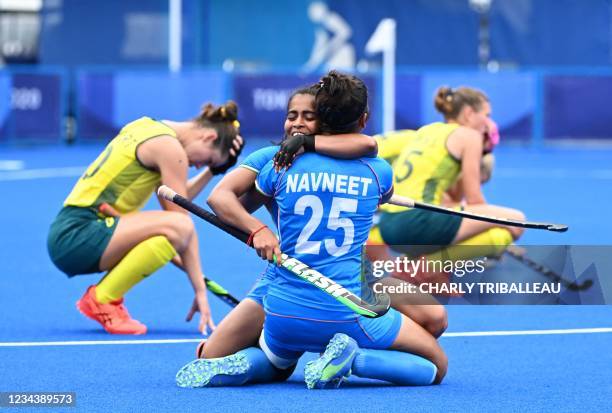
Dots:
(255, 162)
(258, 159)
(326, 207)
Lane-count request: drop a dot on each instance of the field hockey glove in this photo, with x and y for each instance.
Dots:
(231, 158)
(290, 147)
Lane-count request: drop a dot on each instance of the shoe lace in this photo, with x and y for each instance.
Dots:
(121, 312)
(111, 313)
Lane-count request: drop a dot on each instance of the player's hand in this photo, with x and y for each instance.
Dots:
(487, 163)
(290, 148)
(232, 158)
(200, 304)
(237, 146)
(267, 246)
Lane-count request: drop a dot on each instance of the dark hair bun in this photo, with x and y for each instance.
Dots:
(444, 100)
(223, 113)
(341, 100)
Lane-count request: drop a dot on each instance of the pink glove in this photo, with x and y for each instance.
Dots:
(491, 136)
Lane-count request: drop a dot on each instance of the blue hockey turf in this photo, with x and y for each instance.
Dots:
(527, 370)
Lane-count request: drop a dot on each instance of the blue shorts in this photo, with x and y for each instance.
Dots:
(286, 337)
(260, 289)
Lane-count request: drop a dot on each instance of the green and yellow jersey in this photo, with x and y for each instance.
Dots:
(424, 169)
(391, 145)
(117, 177)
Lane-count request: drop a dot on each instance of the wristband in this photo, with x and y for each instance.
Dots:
(250, 240)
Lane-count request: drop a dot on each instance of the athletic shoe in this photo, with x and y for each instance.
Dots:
(223, 371)
(113, 316)
(334, 366)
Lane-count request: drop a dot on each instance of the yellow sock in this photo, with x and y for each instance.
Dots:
(374, 238)
(140, 262)
(491, 242)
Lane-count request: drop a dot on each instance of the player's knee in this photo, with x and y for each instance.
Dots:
(516, 231)
(179, 230)
(437, 320)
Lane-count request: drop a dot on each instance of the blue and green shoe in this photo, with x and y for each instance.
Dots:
(224, 371)
(334, 366)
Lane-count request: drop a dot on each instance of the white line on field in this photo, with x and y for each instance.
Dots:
(197, 340)
(555, 173)
(529, 332)
(41, 173)
(98, 342)
(11, 165)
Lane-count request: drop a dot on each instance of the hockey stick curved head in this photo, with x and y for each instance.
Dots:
(557, 227)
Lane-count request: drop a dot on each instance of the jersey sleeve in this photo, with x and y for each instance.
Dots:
(266, 179)
(258, 159)
(385, 177)
(391, 144)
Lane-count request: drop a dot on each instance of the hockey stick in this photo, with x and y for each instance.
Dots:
(221, 292)
(410, 203)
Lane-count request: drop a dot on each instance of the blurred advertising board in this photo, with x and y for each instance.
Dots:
(31, 106)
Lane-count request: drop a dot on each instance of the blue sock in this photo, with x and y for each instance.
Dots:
(394, 366)
(261, 371)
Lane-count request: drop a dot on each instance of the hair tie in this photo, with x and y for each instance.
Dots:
(449, 95)
(236, 124)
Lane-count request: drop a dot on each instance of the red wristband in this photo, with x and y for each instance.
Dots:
(250, 240)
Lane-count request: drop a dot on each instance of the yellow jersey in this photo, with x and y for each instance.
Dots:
(424, 169)
(390, 145)
(117, 177)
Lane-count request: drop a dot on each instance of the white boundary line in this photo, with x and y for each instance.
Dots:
(11, 165)
(99, 342)
(529, 332)
(197, 340)
(25, 174)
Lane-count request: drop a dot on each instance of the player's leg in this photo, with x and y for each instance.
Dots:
(239, 333)
(242, 327)
(417, 359)
(250, 365)
(262, 364)
(423, 309)
(239, 330)
(140, 244)
(481, 239)
(370, 352)
(413, 339)
(134, 228)
(470, 227)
